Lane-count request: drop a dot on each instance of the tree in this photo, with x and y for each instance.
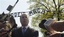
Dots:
(37, 19)
(54, 6)
(50, 9)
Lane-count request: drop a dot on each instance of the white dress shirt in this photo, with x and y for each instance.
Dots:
(24, 29)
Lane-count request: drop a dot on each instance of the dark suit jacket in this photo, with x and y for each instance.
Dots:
(29, 33)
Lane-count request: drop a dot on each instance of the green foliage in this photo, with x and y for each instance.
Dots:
(43, 30)
(48, 15)
(55, 6)
(38, 17)
(36, 20)
(52, 8)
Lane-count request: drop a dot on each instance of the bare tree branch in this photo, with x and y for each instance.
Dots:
(61, 4)
(54, 3)
(44, 6)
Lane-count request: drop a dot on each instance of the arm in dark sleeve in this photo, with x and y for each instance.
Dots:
(14, 33)
(35, 34)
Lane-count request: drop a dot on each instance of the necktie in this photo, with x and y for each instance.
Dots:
(23, 30)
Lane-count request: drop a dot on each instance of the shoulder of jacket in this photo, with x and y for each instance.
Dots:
(33, 30)
(16, 29)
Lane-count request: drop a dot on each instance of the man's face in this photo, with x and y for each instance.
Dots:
(24, 20)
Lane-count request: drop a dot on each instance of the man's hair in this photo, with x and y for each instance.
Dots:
(24, 14)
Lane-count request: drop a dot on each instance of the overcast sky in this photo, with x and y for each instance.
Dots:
(22, 5)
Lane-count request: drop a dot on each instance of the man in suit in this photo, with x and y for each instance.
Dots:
(25, 30)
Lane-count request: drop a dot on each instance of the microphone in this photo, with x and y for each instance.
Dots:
(41, 25)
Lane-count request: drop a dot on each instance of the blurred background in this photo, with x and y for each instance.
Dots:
(36, 9)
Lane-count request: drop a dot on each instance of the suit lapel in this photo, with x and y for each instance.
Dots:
(20, 32)
(28, 32)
